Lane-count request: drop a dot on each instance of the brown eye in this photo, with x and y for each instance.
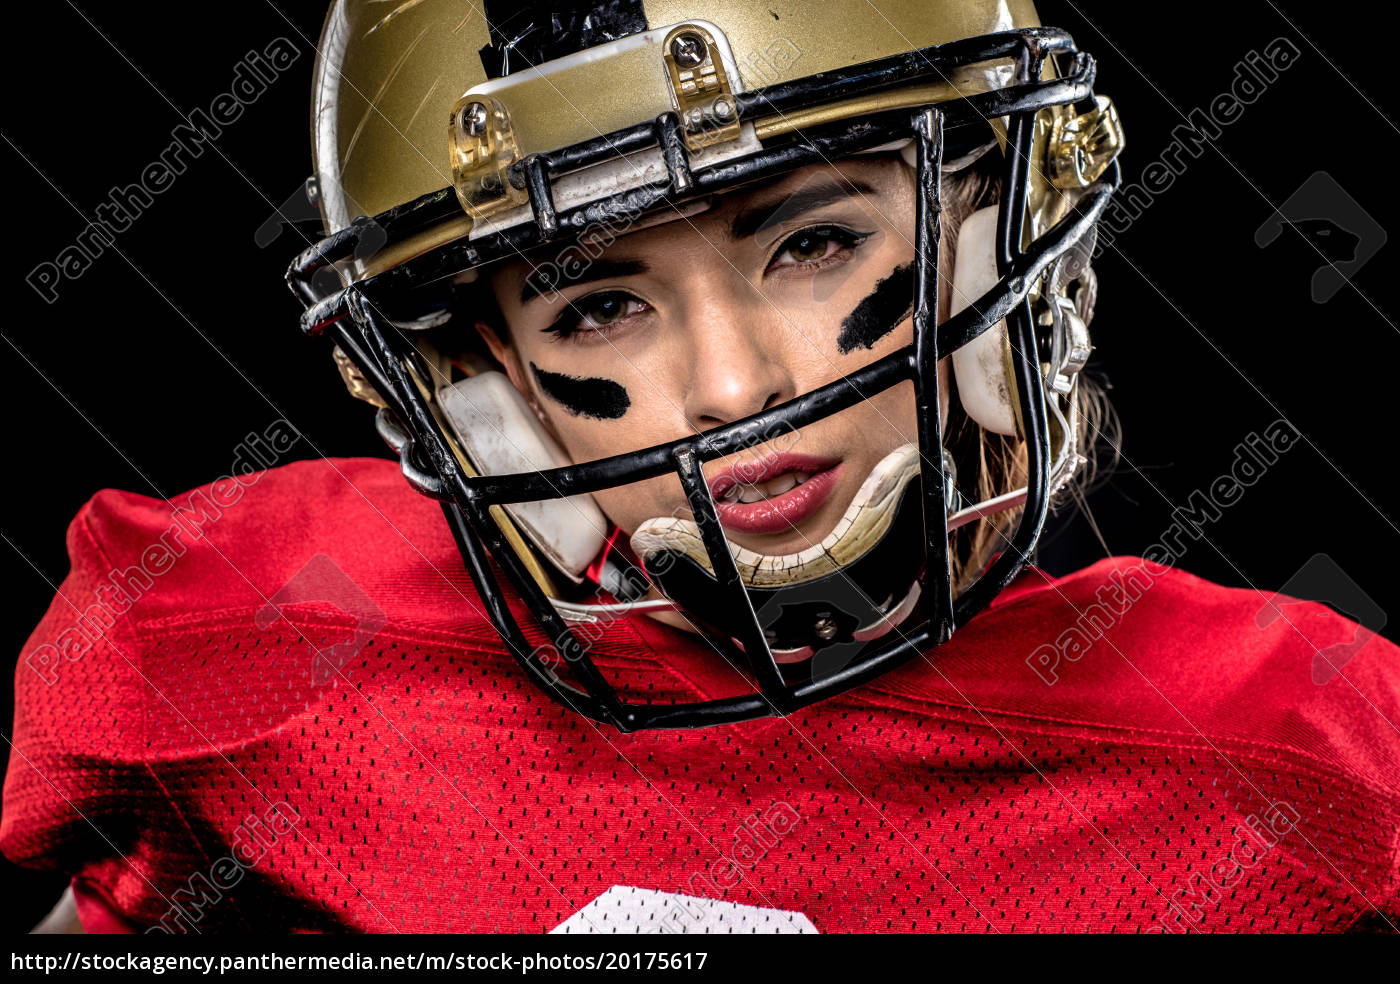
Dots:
(810, 246)
(597, 312)
(604, 309)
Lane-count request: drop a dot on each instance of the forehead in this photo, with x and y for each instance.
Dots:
(868, 181)
(859, 178)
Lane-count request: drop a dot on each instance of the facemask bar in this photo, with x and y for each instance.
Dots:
(937, 594)
(472, 503)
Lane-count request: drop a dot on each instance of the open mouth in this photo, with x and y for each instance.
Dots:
(774, 494)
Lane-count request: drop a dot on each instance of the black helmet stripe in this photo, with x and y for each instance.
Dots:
(525, 34)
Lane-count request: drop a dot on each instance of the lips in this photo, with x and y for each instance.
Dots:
(773, 494)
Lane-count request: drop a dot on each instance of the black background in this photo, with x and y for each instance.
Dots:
(148, 371)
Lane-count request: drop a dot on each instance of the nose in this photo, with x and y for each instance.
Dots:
(736, 363)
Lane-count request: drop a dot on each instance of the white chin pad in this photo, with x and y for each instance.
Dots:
(501, 436)
(864, 523)
(980, 365)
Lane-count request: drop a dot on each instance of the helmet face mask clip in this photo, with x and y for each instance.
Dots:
(517, 507)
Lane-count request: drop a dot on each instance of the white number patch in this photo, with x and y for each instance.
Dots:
(624, 909)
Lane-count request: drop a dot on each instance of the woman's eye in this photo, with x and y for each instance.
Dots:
(811, 246)
(597, 312)
(606, 309)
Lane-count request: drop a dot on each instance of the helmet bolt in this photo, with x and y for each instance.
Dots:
(723, 108)
(688, 49)
(474, 119)
(825, 628)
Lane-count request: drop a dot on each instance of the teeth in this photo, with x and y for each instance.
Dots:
(765, 490)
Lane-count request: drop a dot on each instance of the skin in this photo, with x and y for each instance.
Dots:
(701, 327)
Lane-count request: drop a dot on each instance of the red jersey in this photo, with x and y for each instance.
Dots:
(1123, 749)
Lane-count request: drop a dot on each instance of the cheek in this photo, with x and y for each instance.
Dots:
(889, 419)
(597, 417)
(869, 315)
(629, 506)
(588, 438)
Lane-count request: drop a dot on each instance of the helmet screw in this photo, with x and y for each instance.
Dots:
(825, 628)
(688, 49)
(723, 108)
(474, 119)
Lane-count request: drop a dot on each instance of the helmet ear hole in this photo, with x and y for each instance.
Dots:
(980, 366)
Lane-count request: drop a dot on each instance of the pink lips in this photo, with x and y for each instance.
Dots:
(782, 512)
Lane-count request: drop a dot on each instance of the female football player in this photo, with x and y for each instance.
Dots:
(731, 354)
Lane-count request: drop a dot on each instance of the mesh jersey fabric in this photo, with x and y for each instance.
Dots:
(182, 751)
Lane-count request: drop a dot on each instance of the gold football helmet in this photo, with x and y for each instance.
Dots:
(450, 135)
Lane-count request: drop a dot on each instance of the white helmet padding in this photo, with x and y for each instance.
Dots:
(980, 365)
(499, 433)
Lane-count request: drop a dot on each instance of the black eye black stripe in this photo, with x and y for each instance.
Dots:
(880, 312)
(591, 396)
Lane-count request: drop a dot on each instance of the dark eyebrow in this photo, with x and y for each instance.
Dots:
(751, 220)
(548, 277)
